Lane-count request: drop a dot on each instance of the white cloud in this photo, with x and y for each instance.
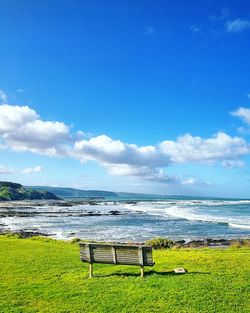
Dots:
(243, 113)
(195, 182)
(21, 129)
(14, 117)
(3, 96)
(154, 175)
(30, 170)
(196, 149)
(189, 181)
(141, 172)
(105, 150)
(5, 170)
(237, 25)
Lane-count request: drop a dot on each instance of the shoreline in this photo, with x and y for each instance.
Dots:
(198, 243)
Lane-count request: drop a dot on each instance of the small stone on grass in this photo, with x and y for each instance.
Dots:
(180, 270)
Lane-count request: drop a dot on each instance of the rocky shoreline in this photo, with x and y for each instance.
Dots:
(23, 234)
(202, 243)
(211, 243)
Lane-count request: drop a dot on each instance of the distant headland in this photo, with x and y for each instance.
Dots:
(12, 191)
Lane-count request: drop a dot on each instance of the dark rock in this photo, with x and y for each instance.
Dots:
(196, 243)
(209, 242)
(180, 242)
(90, 213)
(130, 202)
(61, 204)
(92, 203)
(217, 242)
(24, 234)
(114, 212)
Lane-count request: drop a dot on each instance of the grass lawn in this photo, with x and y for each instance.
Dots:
(44, 275)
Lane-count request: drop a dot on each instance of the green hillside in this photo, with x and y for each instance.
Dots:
(76, 193)
(13, 191)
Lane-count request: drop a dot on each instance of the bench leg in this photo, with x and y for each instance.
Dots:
(142, 271)
(90, 270)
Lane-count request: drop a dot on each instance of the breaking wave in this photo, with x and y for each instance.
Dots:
(195, 211)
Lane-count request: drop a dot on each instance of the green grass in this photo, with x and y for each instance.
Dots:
(44, 275)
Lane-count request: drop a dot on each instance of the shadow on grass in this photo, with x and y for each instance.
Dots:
(172, 273)
(149, 273)
(133, 274)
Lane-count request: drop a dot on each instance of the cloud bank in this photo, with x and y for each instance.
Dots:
(21, 129)
(148, 162)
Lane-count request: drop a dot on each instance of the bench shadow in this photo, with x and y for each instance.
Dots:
(167, 273)
(117, 274)
(149, 273)
(164, 273)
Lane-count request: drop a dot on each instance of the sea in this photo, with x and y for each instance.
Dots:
(131, 220)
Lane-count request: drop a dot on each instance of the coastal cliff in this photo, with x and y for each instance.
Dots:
(13, 191)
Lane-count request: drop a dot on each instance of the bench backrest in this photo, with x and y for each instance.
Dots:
(116, 254)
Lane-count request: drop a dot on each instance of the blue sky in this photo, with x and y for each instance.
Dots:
(140, 96)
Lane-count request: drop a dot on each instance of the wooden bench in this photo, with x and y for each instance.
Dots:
(124, 254)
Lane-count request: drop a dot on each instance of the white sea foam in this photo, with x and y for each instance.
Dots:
(190, 214)
(149, 208)
(242, 226)
(186, 210)
(209, 202)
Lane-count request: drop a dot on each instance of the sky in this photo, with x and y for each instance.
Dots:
(136, 96)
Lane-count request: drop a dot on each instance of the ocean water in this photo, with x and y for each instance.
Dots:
(135, 221)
